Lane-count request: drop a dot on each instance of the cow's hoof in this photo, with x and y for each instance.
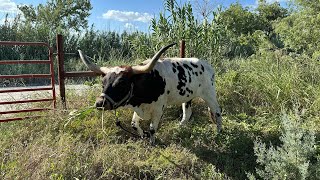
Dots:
(146, 134)
(152, 140)
(182, 123)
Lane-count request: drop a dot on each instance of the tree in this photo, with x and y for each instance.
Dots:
(240, 23)
(58, 15)
(248, 30)
(240, 20)
(308, 5)
(301, 30)
(268, 13)
(271, 11)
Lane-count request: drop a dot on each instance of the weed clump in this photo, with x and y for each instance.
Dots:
(293, 158)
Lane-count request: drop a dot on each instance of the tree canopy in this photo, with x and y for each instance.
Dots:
(59, 15)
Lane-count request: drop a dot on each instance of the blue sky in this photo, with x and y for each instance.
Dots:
(119, 15)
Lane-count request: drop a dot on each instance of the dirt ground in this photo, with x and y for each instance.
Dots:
(30, 95)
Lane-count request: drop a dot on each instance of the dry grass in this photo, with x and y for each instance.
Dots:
(56, 148)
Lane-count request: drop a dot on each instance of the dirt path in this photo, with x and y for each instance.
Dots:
(18, 96)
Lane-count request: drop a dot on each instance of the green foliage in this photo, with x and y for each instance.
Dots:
(271, 12)
(141, 45)
(83, 147)
(242, 27)
(57, 15)
(202, 36)
(300, 30)
(9, 29)
(269, 81)
(308, 4)
(102, 46)
(231, 32)
(106, 47)
(256, 79)
(239, 20)
(49, 148)
(291, 160)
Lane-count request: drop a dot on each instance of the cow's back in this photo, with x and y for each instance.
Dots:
(185, 78)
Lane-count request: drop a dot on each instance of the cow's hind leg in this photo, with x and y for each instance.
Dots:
(187, 112)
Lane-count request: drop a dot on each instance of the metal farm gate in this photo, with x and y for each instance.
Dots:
(7, 114)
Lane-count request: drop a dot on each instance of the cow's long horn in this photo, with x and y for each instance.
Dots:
(146, 68)
(90, 65)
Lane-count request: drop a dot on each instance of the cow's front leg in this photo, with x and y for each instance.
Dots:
(154, 125)
(135, 124)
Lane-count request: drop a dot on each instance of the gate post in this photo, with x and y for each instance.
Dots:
(61, 74)
(182, 48)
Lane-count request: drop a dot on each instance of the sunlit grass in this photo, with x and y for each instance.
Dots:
(65, 146)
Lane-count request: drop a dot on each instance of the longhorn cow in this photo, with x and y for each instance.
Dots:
(149, 88)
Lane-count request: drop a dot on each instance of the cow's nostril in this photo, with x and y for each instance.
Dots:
(102, 104)
(99, 104)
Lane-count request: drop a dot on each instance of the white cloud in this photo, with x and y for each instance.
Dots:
(8, 6)
(9, 20)
(130, 26)
(272, 1)
(127, 16)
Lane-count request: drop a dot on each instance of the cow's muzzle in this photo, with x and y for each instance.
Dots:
(102, 104)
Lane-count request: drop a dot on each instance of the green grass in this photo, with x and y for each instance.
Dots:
(253, 94)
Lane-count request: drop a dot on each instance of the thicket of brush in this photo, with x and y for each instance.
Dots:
(267, 83)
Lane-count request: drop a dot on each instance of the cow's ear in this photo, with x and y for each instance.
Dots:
(128, 72)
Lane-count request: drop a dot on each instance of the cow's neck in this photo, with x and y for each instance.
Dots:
(147, 88)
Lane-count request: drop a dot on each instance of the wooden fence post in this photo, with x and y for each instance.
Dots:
(182, 48)
(61, 74)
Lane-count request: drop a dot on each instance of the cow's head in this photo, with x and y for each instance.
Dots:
(117, 82)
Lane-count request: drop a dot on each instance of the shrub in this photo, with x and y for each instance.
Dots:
(291, 160)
